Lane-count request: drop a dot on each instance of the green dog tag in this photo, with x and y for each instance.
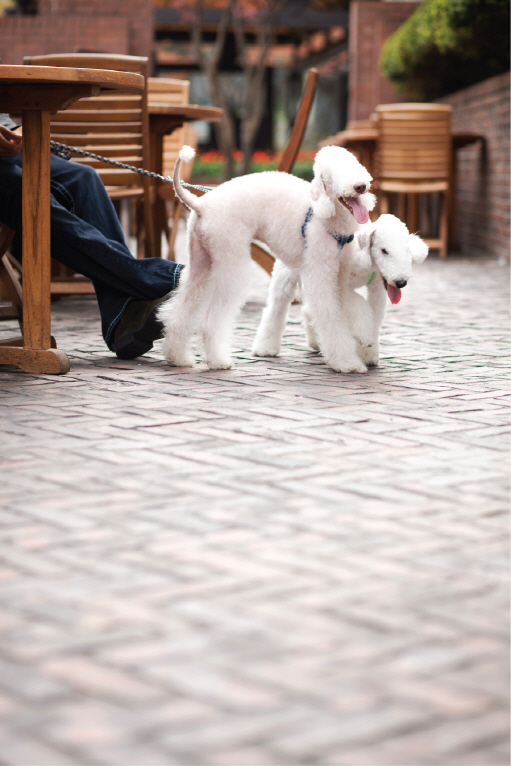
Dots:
(370, 279)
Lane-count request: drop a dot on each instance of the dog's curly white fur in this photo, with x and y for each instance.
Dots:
(270, 207)
(381, 257)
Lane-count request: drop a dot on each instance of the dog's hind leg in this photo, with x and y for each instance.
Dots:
(227, 286)
(182, 313)
(273, 321)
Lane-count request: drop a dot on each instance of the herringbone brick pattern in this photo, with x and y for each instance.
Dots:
(274, 564)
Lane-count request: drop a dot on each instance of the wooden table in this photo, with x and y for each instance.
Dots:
(163, 119)
(361, 138)
(36, 92)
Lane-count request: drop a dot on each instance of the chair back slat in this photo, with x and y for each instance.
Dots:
(113, 125)
(166, 90)
(295, 139)
(414, 142)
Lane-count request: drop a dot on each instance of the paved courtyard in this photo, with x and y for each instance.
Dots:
(274, 564)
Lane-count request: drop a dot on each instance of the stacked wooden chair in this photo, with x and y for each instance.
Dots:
(112, 125)
(414, 157)
(165, 90)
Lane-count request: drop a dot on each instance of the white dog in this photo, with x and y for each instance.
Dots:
(380, 258)
(304, 225)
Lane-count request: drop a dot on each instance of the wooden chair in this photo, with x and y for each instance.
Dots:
(261, 256)
(11, 291)
(165, 90)
(414, 157)
(115, 126)
(10, 284)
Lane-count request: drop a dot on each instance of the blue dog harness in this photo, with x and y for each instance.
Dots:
(342, 239)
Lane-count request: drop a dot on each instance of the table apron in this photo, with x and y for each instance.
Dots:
(52, 97)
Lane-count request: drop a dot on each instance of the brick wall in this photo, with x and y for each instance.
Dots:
(64, 26)
(482, 193)
(370, 25)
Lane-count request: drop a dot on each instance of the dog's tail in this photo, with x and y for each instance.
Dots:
(187, 198)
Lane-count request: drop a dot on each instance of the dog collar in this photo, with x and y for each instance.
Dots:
(307, 219)
(342, 239)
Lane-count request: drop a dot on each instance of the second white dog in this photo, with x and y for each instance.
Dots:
(304, 225)
(380, 258)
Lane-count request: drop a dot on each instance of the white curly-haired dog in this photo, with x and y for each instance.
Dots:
(304, 224)
(380, 258)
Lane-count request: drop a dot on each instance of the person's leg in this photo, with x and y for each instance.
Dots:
(100, 254)
(80, 189)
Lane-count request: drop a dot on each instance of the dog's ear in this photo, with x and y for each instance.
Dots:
(323, 207)
(364, 238)
(418, 248)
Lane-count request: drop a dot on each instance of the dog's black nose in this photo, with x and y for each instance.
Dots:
(401, 283)
(360, 188)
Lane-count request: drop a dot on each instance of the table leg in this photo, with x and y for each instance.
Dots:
(36, 354)
(159, 208)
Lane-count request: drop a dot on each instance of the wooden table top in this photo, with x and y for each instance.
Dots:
(46, 75)
(368, 133)
(188, 112)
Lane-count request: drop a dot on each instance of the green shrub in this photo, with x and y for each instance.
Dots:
(447, 45)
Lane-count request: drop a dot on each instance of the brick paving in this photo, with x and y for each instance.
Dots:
(274, 564)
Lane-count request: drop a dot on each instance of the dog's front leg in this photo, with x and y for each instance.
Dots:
(336, 340)
(377, 300)
(310, 332)
(359, 316)
(273, 321)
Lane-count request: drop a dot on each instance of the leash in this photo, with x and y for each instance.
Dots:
(64, 151)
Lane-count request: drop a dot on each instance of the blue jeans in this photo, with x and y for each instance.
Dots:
(86, 235)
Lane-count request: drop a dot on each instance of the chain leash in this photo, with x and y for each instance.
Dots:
(64, 151)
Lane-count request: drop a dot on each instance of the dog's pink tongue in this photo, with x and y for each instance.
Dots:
(360, 212)
(394, 294)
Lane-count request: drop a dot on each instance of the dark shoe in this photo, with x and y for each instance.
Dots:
(138, 329)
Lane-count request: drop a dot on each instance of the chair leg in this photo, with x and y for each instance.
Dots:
(444, 225)
(384, 203)
(401, 206)
(413, 212)
(166, 227)
(10, 284)
(176, 216)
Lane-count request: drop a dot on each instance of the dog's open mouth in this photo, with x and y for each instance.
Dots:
(393, 292)
(356, 208)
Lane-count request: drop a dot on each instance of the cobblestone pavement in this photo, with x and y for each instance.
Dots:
(274, 564)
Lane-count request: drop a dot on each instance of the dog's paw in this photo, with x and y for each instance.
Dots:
(370, 354)
(177, 358)
(265, 349)
(219, 363)
(353, 364)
